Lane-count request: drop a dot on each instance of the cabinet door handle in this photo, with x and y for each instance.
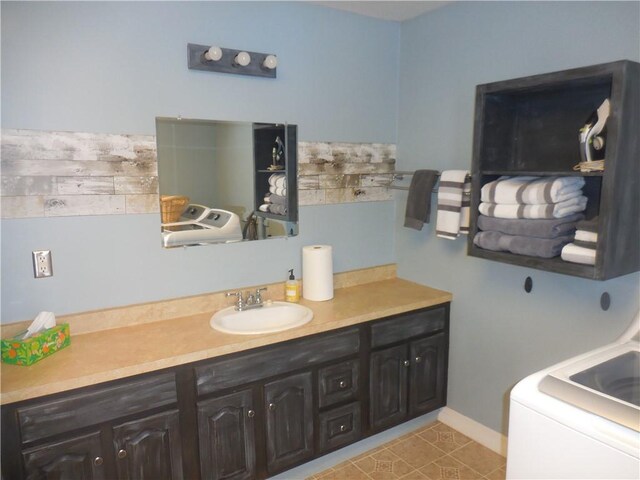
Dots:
(342, 428)
(342, 384)
(406, 363)
(122, 453)
(272, 406)
(418, 359)
(251, 413)
(98, 461)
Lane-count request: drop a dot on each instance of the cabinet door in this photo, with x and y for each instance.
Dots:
(227, 437)
(388, 386)
(427, 385)
(78, 458)
(289, 421)
(149, 448)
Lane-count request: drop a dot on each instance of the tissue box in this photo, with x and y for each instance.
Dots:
(33, 349)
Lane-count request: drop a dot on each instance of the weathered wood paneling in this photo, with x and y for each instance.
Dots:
(76, 173)
(73, 173)
(331, 173)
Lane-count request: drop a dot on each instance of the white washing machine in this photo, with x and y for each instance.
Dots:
(580, 419)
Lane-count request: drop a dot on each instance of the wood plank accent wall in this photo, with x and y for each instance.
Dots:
(51, 174)
(344, 172)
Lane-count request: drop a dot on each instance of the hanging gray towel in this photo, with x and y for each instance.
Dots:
(418, 210)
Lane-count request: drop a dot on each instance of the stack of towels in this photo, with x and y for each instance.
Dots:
(583, 248)
(534, 216)
(276, 200)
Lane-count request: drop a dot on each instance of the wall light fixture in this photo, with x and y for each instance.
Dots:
(227, 60)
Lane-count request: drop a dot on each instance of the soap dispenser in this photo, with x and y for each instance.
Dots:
(292, 288)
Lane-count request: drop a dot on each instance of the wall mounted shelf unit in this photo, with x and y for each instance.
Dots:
(530, 126)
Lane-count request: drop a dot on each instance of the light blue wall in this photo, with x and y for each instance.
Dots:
(113, 67)
(499, 334)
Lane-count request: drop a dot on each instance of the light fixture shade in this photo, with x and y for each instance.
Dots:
(213, 54)
(243, 59)
(270, 62)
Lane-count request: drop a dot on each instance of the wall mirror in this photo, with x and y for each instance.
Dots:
(224, 182)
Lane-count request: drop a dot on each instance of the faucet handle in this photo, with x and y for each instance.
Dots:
(258, 295)
(238, 295)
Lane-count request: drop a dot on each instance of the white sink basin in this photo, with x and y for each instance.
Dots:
(272, 317)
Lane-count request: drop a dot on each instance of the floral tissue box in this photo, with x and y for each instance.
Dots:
(34, 349)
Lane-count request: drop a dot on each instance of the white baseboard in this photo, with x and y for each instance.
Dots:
(474, 430)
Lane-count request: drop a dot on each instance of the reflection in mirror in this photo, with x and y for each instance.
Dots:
(223, 182)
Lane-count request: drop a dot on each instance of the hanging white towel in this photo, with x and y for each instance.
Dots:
(453, 204)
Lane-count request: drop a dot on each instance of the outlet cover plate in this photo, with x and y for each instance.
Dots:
(42, 266)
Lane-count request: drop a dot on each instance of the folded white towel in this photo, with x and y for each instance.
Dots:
(584, 236)
(573, 253)
(453, 213)
(277, 180)
(278, 191)
(532, 190)
(264, 207)
(547, 210)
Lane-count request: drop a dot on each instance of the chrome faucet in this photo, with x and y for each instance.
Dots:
(253, 300)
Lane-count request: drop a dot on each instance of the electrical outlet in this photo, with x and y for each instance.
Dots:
(42, 266)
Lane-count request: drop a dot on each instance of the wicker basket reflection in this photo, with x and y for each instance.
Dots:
(172, 206)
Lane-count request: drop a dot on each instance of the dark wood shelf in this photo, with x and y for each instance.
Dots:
(555, 264)
(529, 126)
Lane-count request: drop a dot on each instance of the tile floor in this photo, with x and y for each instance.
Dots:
(433, 452)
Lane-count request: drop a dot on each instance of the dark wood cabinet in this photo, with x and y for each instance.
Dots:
(388, 386)
(289, 426)
(149, 448)
(427, 374)
(529, 126)
(226, 432)
(408, 378)
(248, 415)
(75, 458)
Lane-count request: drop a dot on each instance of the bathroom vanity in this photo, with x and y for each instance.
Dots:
(245, 406)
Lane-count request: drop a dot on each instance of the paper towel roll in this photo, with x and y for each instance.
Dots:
(317, 272)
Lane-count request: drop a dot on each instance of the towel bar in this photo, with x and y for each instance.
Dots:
(399, 175)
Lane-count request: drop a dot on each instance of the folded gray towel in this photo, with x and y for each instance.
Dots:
(541, 228)
(589, 225)
(520, 245)
(273, 198)
(418, 211)
(277, 209)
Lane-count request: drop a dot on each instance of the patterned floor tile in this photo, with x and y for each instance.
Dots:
(350, 472)
(416, 452)
(499, 474)
(479, 458)
(433, 452)
(445, 438)
(448, 468)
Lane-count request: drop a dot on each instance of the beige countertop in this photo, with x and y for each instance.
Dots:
(100, 356)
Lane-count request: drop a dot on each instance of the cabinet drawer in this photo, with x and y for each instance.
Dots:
(406, 326)
(340, 426)
(337, 383)
(274, 360)
(91, 408)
